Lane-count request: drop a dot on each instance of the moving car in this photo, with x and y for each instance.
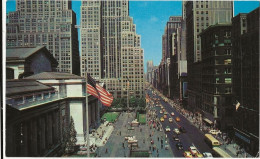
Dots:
(176, 131)
(170, 120)
(177, 119)
(165, 116)
(161, 111)
(161, 119)
(172, 113)
(198, 155)
(179, 146)
(215, 132)
(207, 155)
(193, 150)
(182, 129)
(167, 129)
(175, 138)
(187, 154)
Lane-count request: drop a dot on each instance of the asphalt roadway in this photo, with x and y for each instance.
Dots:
(193, 136)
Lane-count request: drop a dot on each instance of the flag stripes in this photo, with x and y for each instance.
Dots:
(92, 91)
(99, 92)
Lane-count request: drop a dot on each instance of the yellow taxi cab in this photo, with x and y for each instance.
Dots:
(177, 119)
(162, 119)
(198, 155)
(187, 154)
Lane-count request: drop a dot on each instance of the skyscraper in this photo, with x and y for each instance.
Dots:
(245, 71)
(49, 23)
(169, 49)
(199, 15)
(149, 71)
(110, 46)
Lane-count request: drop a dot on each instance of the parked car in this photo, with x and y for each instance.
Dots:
(187, 154)
(167, 129)
(161, 111)
(193, 150)
(170, 120)
(176, 131)
(177, 119)
(207, 155)
(179, 146)
(182, 129)
(172, 113)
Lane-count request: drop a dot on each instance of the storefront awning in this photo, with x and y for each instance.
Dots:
(208, 121)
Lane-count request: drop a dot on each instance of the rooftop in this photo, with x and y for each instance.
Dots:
(16, 87)
(54, 75)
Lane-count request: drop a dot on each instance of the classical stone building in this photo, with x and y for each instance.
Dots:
(73, 87)
(26, 61)
(39, 110)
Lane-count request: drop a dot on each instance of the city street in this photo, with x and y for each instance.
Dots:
(193, 136)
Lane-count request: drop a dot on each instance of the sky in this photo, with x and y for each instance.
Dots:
(150, 18)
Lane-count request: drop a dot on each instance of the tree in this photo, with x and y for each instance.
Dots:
(71, 137)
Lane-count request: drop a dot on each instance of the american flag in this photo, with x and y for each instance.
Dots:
(99, 92)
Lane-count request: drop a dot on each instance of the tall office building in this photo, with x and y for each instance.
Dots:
(149, 71)
(217, 75)
(245, 71)
(199, 15)
(49, 23)
(110, 47)
(169, 49)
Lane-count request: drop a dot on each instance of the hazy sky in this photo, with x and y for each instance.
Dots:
(150, 18)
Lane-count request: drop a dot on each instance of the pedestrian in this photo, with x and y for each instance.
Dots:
(158, 138)
(120, 133)
(106, 150)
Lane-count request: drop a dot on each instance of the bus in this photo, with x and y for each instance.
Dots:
(211, 140)
(218, 152)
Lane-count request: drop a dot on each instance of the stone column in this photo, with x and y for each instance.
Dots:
(43, 131)
(24, 147)
(49, 131)
(93, 114)
(89, 114)
(99, 105)
(34, 137)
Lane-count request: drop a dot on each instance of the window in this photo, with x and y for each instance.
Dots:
(19, 100)
(227, 71)
(228, 90)
(228, 80)
(29, 98)
(227, 51)
(217, 71)
(227, 61)
(216, 90)
(217, 80)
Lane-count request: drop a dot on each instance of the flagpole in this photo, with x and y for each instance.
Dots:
(127, 94)
(87, 131)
